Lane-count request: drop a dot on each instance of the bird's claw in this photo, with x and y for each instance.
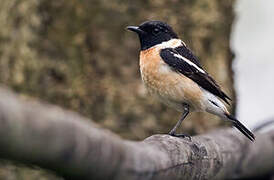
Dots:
(180, 135)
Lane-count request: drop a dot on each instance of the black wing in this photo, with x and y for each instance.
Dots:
(185, 52)
(182, 60)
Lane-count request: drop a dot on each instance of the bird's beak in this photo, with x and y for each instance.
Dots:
(135, 29)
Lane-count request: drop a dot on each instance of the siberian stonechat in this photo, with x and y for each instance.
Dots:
(173, 74)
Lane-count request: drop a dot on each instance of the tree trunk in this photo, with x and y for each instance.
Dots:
(66, 143)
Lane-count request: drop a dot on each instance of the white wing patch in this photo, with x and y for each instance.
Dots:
(173, 43)
(188, 61)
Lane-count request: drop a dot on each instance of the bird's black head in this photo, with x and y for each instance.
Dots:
(152, 33)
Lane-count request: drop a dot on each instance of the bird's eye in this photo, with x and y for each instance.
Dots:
(156, 31)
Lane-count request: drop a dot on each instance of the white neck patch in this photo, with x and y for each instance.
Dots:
(173, 43)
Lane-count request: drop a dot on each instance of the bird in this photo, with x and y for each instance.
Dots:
(173, 74)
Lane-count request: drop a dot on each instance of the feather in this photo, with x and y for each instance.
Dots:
(182, 60)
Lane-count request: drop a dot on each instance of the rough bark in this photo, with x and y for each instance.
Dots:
(71, 145)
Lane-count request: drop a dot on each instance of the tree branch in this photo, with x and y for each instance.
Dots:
(71, 145)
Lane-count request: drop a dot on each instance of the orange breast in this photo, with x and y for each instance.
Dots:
(169, 86)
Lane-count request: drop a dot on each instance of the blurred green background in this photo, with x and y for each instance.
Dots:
(77, 54)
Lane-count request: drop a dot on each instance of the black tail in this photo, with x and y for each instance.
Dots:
(241, 127)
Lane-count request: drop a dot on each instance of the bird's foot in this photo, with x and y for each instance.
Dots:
(180, 135)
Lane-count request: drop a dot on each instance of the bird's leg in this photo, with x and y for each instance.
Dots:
(185, 113)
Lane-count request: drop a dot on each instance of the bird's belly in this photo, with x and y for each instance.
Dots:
(172, 88)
